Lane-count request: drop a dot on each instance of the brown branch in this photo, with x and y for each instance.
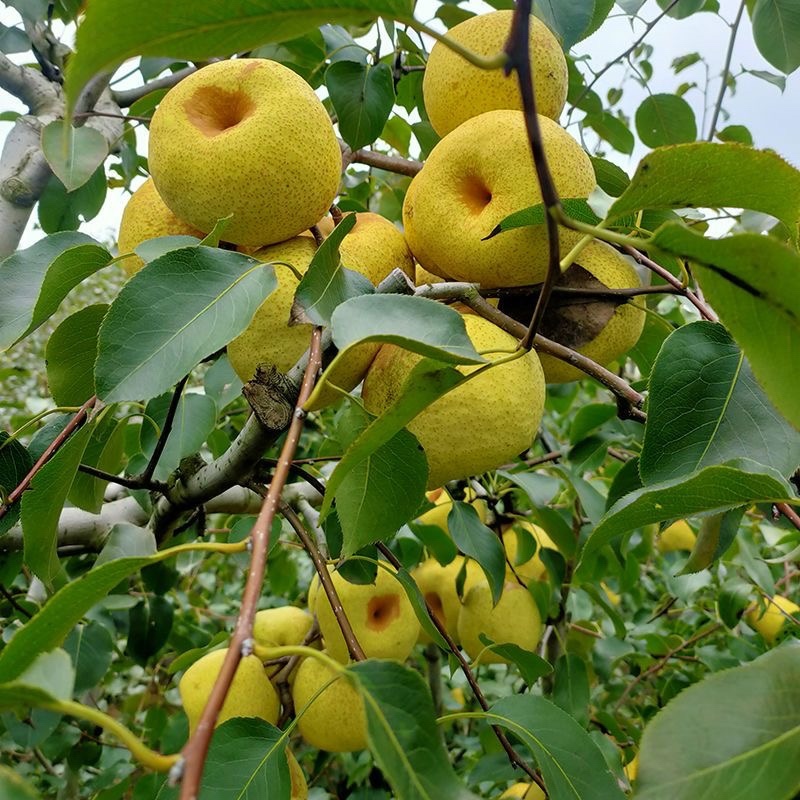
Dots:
(80, 417)
(353, 646)
(14, 604)
(629, 400)
(685, 291)
(513, 756)
(402, 166)
(789, 513)
(582, 294)
(195, 751)
(518, 51)
(661, 663)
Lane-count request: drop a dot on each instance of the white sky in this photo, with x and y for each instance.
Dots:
(772, 117)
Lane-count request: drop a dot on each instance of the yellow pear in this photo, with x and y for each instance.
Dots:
(474, 178)
(678, 536)
(251, 694)
(269, 339)
(335, 721)
(468, 430)
(515, 619)
(769, 621)
(454, 90)
(631, 769)
(438, 586)
(599, 329)
(380, 613)
(147, 217)
(281, 627)
(422, 276)
(527, 791)
(299, 785)
(374, 246)
(246, 137)
(443, 502)
(533, 569)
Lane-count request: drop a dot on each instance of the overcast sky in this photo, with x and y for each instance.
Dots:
(772, 117)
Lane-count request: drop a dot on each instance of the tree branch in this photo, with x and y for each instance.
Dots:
(518, 51)
(402, 166)
(166, 428)
(127, 97)
(726, 69)
(195, 750)
(28, 85)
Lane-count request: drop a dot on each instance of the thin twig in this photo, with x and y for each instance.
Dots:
(127, 97)
(126, 117)
(80, 417)
(353, 645)
(624, 54)
(15, 605)
(685, 291)
(725, 72)
(659, 665)
(128, 483)
(195, 751)
(518, 51)
(513, 756)
(166, 428)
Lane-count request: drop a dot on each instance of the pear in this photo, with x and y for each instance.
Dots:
(770, 622)
(281, 627)
(515, 619)
(380, 613)
(533, 569)
(335, 721)
(250, 695)
(678, 536)
(438, 586)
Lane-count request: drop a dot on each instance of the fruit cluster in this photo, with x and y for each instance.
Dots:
(249, 140)
(330, 710)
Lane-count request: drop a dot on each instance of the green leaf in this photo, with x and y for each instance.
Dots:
(402, 732)
(380, 482)
(571, 763)
(477, 541)
(90, 647)
(36, 280)
(612, 129)
(73, 153)
(52, 672)
(115, 30)
(735, 734)
(48, 628)
(417, 601)
(15, 787)
(60, 210)
(611, 178)
(735, 133)
(716, 488)
(194, 420)
(571, 687)
(577, 208)
(531, 666)
(105, 452)
(149, 626)
(415, 323)
(681, 9)
(42, 503)
(665, 119)
(568, 19)
(362, 97)
(70, 355)
(179, 309)
(326, 284)
(776, 30)
(713, 175)
(706, 408)
(15, 463)
(716, 535)
(753, 282)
